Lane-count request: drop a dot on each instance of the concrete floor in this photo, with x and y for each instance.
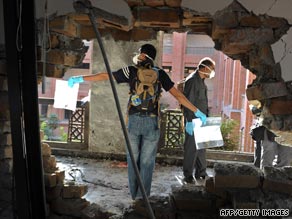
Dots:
(108, 183)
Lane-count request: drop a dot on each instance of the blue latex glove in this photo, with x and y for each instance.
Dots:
(201, 115)
(74, 80)
(189, 128)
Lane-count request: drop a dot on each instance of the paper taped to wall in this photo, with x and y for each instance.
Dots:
(65, 96)
(208, 135)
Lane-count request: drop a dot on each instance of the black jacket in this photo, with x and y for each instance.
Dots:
(195, 91)
(257, 134)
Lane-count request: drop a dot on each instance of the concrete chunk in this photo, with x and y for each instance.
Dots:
(193, 198)
(236, 176)
(278, 179)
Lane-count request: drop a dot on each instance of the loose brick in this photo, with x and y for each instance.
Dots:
(74, 191)
(46, 149)
(49, 164)
(60, 174)
(50, 179)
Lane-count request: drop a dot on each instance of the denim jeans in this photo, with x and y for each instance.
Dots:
(143, 134)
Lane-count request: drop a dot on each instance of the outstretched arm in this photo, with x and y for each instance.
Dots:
(186, 103)
(81, 78)
(96, 77)
(182, 99)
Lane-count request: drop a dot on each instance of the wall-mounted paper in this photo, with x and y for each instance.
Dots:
(65, 96)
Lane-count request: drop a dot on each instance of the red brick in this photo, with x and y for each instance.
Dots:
(74, 191)
(266, 91)
(150, 17)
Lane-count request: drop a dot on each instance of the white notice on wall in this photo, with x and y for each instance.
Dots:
(65, 96)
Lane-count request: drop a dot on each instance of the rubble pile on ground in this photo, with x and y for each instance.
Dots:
(234, 186)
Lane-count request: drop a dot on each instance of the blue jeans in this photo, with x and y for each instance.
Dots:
(144, 136)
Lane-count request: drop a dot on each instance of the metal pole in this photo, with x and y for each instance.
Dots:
(87, 5)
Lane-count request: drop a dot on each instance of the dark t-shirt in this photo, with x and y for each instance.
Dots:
(128, 75)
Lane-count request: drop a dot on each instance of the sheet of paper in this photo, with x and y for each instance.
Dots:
(65, 96)
(208, 135)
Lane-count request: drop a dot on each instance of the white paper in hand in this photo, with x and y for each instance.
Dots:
(208, 135)
(65, 96)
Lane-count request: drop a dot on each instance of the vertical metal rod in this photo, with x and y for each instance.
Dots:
(23, 103)
(22, 195)
(93, 22)
(31, 112)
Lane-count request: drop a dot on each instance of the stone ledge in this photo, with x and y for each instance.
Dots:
(212, 156)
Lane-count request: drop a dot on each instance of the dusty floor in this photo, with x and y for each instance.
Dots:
(108, 183)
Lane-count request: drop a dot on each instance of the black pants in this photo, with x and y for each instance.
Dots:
(193, 158)
(257, 154)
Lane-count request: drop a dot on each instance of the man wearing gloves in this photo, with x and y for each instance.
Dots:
(195, 90)
(143, 128)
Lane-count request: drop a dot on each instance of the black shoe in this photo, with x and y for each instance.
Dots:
(202, 177)
(189, 179)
